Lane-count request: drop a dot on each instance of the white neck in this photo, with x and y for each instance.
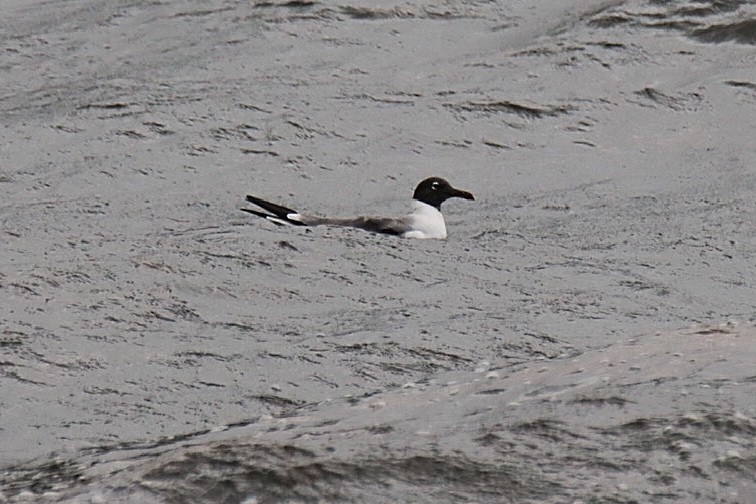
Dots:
(427, 222)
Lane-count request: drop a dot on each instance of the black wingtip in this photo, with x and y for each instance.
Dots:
(255, 212)
(277, 214)
(277, 210)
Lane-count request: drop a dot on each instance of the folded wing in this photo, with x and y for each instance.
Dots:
(382, 225)
(282, 215)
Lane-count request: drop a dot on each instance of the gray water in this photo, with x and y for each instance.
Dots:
(585, 334)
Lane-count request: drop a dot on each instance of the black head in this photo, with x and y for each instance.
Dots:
(436, 190)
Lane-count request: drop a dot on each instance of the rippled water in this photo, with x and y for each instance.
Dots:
(572, 340)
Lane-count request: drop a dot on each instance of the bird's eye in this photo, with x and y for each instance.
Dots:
(434, 185)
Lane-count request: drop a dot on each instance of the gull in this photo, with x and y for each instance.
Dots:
(424, 221)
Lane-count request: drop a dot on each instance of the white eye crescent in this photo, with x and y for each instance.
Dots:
(434, 185)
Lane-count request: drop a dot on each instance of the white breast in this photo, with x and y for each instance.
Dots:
(427, 222)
